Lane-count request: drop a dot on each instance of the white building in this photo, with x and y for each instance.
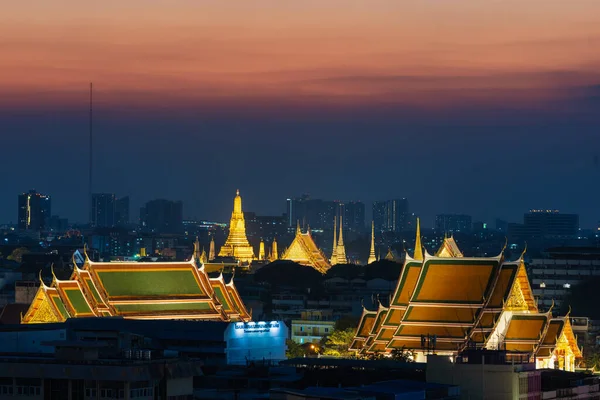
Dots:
(312, 326)
(553, 278)
(255, 341)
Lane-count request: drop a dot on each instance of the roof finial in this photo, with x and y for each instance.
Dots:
(551, 307)
(237, 192)
(505, 244)
(54, 279)
(524, 251)
(418, 253)
(298, 231)
(85, 254)
(568, 312)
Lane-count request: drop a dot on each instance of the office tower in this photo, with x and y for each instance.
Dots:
(391, 215)
(162, 216)
(34, 211)
(354, 216)
(122, 211)
(453, 223)
(545, 224)
(265, 227)
(318, 213)
(103, 210)
(315, 213)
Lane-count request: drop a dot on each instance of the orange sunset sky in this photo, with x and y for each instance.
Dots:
(309, 53)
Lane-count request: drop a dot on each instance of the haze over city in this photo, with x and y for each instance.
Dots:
(484, 108)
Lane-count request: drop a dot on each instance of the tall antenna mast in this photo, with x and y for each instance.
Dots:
(91, 158)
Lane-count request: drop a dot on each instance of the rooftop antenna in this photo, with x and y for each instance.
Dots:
(90, 177)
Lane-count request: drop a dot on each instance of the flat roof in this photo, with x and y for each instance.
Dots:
(157, 329)
(353, 363)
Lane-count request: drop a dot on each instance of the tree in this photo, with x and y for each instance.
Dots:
(403, 355)
(338, 343)
(375, 356)
(294, 350)
(288, 273)
(17, 254)
(384, 269)
(592, 358)
(346, 271)
(345, 323)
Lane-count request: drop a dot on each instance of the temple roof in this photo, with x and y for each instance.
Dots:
(449, 248)
(304, 250)
(558, 336)
(406, 284)
(464, 301)
(177, 290)
(455, 280)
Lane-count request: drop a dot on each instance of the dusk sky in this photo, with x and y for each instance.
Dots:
(482, 107)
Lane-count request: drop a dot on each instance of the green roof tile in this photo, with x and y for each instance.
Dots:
(78, 301)
(60, 306)
(150, 283)
(146, 308)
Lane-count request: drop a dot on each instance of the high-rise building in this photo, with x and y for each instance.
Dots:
(58, 224)
(103, 210)
(163, 216)
(265, 227)
(34, 211)
(122, 211)
(318, 214)
(354, 216)
(453, 223)
(545, 224)
(315, 213)
(391, 215)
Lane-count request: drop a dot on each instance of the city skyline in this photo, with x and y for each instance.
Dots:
(461, 107)
(405, 215)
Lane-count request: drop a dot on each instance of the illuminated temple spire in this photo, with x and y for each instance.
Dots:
(261, 250)
(197, 254)
(418, 253)
(372, 258)
(211, 250)
(274, 253)
(237, 245)
(334, 251)
(340, 249)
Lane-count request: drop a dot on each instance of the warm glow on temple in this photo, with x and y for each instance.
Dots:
(261, 250)
(138, 290)
(338, 255)
(237, 245)
(372, 258)
(304, 250)
(274, 253)
(466, 302)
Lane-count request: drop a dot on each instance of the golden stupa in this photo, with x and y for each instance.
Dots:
(237, 244)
